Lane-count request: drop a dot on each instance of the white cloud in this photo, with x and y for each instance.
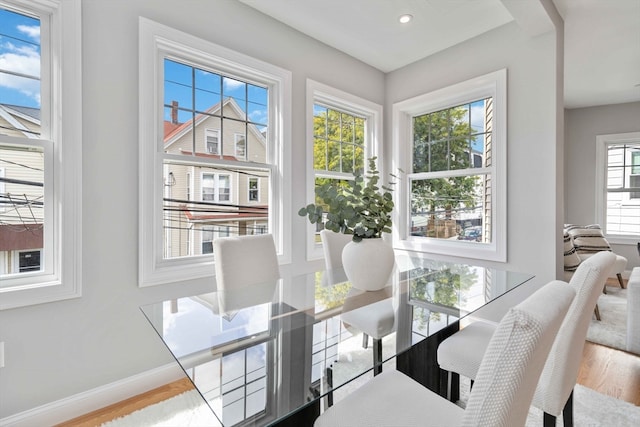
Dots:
(31, 31)
(23, 61)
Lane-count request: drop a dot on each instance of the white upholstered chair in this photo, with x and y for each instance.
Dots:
(504, 386)
(555, 390)
(375, 320)
(245, 260)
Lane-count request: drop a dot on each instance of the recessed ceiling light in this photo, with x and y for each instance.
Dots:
(405, 18)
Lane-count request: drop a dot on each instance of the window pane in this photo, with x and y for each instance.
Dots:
(622, 202)
(450, 208)
(216, 207)
(22, 216)
(339, 141)
(20, 75)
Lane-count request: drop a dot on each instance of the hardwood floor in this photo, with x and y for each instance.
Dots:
(130, 405)
(611, 372)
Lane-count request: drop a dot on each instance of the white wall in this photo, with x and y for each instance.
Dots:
(532, 128)
(60, 349)
(582, 127)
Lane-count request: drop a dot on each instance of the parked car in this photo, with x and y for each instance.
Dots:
(471, 233)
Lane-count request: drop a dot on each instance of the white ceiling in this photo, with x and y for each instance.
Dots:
(602, 37)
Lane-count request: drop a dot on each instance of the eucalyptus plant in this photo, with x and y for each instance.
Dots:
(360, 208)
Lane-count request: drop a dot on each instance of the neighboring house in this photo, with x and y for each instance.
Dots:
(206, 202)
(21, 193)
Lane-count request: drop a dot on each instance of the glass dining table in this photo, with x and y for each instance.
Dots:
(275, 353)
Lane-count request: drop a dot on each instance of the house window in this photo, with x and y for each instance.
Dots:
(254, 194)
(241, 146)
(206, 91)
(216, 187)
(344, 131)
(212, 141)
(451, 143)
(39, 197)
(618, 183)
(207, 240)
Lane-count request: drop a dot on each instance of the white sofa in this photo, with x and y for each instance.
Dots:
(633, 311)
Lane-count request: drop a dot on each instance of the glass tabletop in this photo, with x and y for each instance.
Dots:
(260, 353)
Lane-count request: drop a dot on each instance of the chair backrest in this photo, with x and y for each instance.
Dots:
(561, 370)
(245, 260)
(514, 359)
(332, 245)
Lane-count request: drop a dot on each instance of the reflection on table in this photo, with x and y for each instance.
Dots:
(263, 353)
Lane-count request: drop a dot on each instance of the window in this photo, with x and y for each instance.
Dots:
(207, 93)
(241, 151)
(618, 186)
(216, 187)
(211, 140)
(40, 130)
(344, 131)
(254, 189)
(451, 145)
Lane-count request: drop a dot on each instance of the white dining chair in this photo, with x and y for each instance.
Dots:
(375, 320)
(554, 393)
(505, 384)
(241, 261)
(245, 260)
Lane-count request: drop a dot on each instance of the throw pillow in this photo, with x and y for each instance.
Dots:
(588, 239)
(571, 258)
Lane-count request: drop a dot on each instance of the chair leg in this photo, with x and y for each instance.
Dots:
(567, 412)
(377, 356)
(604, 289)
(596, 311)
(620, 281)
(365, 341)
(549, 420)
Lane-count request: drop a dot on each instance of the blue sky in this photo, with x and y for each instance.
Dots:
(19, 53)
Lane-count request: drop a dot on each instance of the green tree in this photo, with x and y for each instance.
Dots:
(442, 142)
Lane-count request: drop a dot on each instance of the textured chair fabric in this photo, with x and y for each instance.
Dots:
(506, 379)
(245, 260)
(561, 370)
(462, 352)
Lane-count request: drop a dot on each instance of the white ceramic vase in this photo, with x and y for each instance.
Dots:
(368, 263)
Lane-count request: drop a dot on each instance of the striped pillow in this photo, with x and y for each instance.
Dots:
(571, 258)
(587, 239)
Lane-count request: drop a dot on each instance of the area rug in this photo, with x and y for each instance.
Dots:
(611, 330)
(591, 409)
(184, 410)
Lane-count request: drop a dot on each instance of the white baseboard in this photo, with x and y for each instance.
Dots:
(97, 398)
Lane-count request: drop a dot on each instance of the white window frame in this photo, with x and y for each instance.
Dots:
(156, 41)
(61, 141)
(319, 93)
(489, 85)
(601, 183)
